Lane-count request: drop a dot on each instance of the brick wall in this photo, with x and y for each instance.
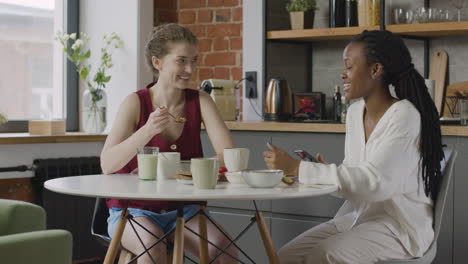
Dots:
(218, 26)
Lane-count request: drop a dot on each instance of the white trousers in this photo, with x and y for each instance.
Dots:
(365, 243)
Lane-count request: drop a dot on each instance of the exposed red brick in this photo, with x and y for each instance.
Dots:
(221, 44)
(236, 73)
(218, 3)
(201, 59)
(223, 15)
(231, 2)
(167, 16)
(205, 73)
(205, 16)
(204, 45)
(225, 58)
(237, 14)
(165, 4)
(198, 30)
(187, 17)
(221, 73)
(224, 30)
(192, 4)
(235, 44)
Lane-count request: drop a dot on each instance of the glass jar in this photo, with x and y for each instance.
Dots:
(93, 115)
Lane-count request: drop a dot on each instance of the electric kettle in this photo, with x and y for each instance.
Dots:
(278, 101)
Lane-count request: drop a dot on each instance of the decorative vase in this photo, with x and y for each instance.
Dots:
(93, 116)
(302, 20)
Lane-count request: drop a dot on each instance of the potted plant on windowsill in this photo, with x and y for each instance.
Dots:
(3, 118)
(94, 100)
(302, 13)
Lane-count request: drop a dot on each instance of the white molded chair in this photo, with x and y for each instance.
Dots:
(430, 254)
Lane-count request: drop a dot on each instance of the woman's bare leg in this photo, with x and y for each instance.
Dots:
(215, 236)
(131, 242)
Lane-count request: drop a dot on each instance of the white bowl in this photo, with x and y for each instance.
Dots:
(262, 178)
(234, 176)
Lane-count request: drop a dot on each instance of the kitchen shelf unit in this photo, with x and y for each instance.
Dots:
(423, 32)
(440, 29)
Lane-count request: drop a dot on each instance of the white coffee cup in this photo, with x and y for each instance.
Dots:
(168, 164)
(236, 159)
(204, 172)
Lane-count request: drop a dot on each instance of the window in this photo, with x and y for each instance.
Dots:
(32, 66)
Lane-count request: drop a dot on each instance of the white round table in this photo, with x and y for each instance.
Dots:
(127, 186)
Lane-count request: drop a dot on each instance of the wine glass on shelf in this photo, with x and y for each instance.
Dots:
(459, 4)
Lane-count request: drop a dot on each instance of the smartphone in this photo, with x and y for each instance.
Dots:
(305, 156)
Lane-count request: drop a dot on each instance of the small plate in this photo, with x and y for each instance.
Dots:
(184, 181)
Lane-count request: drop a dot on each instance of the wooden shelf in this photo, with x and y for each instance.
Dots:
(318, 127)
(69, 137)
(344, 33)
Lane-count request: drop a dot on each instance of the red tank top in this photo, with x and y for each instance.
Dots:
(188, 144)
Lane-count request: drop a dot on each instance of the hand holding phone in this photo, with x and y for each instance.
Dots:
(305, 156)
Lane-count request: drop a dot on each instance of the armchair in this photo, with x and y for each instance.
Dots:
(23, 238)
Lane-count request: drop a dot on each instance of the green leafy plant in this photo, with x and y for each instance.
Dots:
(3, 118)
(78, 53)
(301, 5)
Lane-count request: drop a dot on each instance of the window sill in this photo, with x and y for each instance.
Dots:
(69, 137)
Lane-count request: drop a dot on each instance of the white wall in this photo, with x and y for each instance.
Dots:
(253, 37)
(132, 21)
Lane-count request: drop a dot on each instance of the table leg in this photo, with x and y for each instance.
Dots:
(267, 242)
(115, 242)
(178, 256)
(203, 247)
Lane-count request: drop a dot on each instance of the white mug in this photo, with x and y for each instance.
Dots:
(236, 159)
(168, 164)
(204, 172)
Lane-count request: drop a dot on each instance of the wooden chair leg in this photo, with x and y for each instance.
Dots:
(203, 246)
(115, 242)
(178, 257)
(267, 242)
(169, 257)
(125, 256)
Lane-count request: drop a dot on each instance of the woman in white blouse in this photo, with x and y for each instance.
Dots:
(391, 171)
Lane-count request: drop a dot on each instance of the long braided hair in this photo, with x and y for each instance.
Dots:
(390, 51)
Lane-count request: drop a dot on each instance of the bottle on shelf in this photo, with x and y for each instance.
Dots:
(368, 12)
(351, 19)
(374, 12)
(337, 105)
(345, 105)
(337, 13)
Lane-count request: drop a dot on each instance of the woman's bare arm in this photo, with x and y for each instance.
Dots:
(122, 142)
(215, 127)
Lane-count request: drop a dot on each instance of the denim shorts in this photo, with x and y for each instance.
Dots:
(165, 221)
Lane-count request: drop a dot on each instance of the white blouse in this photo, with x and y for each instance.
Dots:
(381, 179)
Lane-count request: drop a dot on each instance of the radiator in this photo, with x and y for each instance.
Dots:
(68, 212)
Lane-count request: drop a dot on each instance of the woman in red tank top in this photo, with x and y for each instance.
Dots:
(144, 119)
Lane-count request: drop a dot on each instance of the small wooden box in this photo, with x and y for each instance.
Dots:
(46, 127)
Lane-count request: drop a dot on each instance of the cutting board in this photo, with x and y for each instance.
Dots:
(455, 89)
(438, 73)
